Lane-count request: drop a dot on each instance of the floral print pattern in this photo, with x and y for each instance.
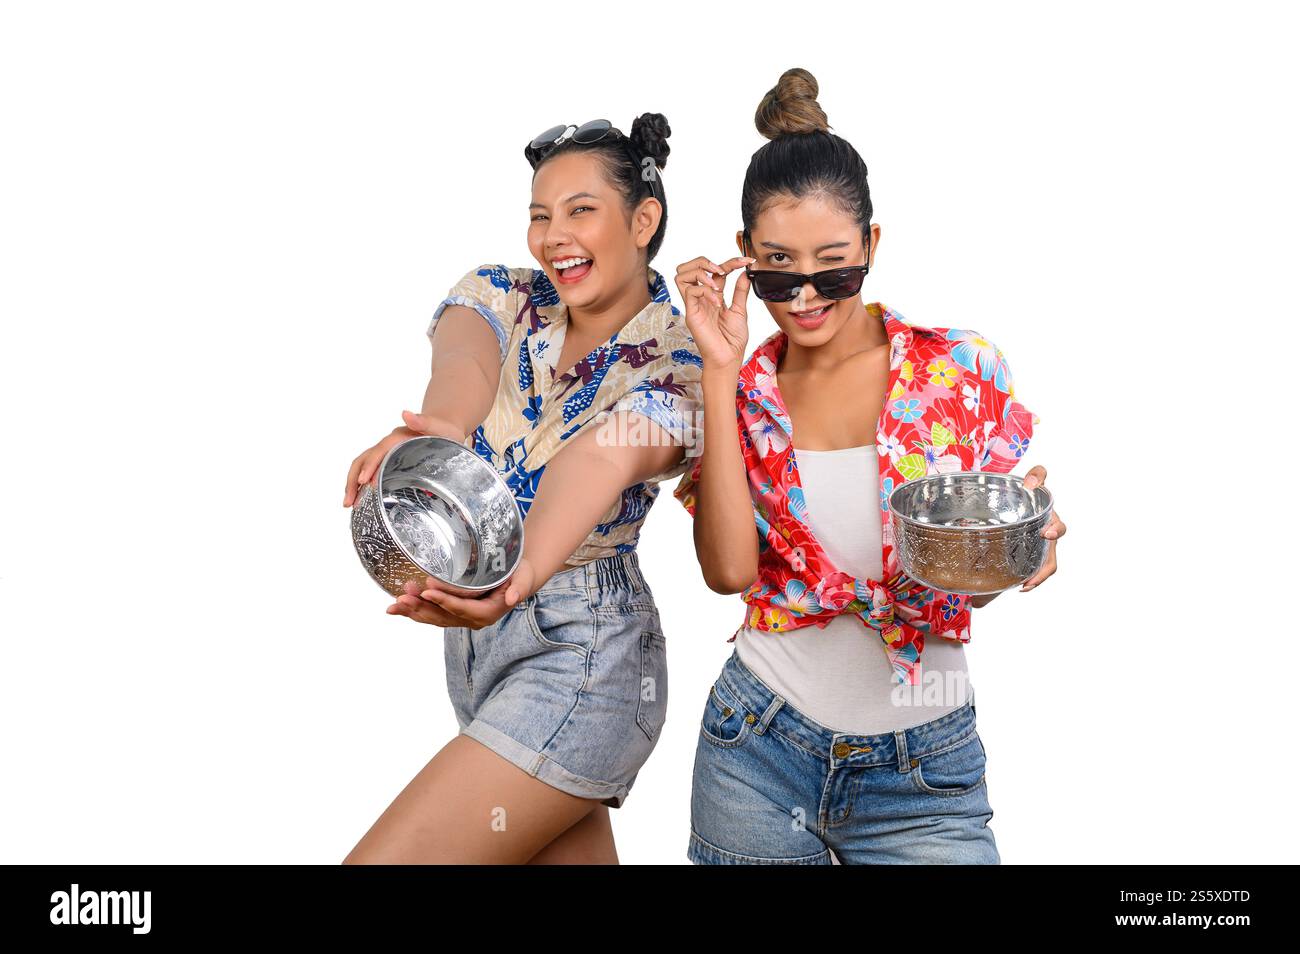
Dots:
(950, 406)
(649, 366)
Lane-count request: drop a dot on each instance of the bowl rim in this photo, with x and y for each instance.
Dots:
(904, 518)
(388, 527)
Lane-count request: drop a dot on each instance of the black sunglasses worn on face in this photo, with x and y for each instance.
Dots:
(588, 132)
(832, 283)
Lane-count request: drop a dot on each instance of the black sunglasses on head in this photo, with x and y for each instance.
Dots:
(588, 132)
(832, 283)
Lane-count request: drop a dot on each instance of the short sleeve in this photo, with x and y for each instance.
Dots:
(491, 291)
(674, 401)
(1008, 424)
(685, 490)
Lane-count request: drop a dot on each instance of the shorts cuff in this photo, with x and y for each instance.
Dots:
(543, 768)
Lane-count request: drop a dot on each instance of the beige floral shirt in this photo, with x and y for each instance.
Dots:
(649, 366)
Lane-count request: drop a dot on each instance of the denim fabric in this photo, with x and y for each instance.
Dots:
(572, 684)
(771, 786)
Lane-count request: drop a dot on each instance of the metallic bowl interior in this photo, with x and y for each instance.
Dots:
(970, 532)
(437, 509)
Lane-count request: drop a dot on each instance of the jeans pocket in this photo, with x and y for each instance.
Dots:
(652, 702)
(956, 770)
(725, 723)
(561, 619)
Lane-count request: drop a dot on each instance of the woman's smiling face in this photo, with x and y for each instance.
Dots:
(808, 235)
(580, 233)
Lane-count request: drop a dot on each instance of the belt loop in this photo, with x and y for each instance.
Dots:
(634, 562)
(900, 739)
(769, 714)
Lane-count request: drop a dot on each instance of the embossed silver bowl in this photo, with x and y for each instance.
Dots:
(435, 508)
(970, 532)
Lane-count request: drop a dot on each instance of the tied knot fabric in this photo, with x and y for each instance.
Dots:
(950, 406)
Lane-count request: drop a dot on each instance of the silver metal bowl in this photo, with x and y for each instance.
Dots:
(435, 508)
(970, 532)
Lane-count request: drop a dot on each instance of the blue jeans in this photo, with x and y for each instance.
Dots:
(771, 786)
(571, 685)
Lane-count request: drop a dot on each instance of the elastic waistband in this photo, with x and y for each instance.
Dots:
(607, 572)
(843, 748)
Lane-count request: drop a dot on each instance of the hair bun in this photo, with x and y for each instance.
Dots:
(650, 132)
(790, 107)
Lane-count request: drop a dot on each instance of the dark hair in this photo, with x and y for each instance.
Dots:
(649, 137)
(803, 157)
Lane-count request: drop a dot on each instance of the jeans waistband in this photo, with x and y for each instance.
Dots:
(602, 573)
(772, 712)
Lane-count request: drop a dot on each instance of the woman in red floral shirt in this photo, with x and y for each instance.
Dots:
(825, 738)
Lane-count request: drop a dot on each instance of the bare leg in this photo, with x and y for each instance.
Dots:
(589, 842)
(468, 805)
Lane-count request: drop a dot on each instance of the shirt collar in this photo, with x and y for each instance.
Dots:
(762, 364)
(648, 321)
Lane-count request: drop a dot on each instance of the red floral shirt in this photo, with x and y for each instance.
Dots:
(950, 407)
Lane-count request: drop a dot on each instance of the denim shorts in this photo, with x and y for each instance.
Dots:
(771, 786)
(571, 685)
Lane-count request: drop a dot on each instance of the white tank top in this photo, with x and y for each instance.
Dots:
(839, 676)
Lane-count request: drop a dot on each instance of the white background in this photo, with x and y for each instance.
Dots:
(224, 229)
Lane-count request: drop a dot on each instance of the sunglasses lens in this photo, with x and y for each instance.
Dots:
(592, 131)
(839, 283)
(774, 287)
(548, 137)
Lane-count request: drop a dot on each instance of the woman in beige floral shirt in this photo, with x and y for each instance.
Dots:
(580, 383)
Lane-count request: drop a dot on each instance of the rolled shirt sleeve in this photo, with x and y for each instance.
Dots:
(491, 291)
(684, 492)
(668, 392)
(1008, 425)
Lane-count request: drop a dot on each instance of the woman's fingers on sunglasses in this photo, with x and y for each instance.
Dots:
(696, 264)
(740, 294)
(702, 274)
(740, 261)
(697, 294)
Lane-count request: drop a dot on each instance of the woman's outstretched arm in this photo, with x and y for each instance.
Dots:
(464, 371)
(580, 485)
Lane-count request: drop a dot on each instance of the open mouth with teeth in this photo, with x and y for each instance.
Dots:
(811, 317)
(571, 269)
